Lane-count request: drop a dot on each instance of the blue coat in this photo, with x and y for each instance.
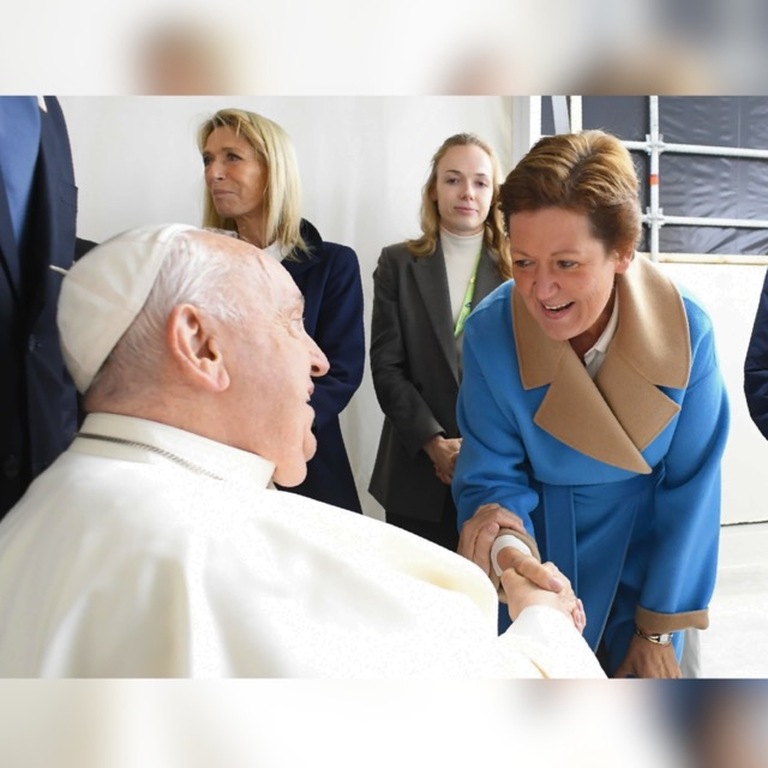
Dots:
(329, 279)
(617, 479)
(38, 405)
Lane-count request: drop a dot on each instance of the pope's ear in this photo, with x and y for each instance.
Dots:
(194, 344)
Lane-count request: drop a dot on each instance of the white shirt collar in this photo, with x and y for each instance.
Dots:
(276, 251)
(224, 461)
(593, 358)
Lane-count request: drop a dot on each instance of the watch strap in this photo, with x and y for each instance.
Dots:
(665, 638)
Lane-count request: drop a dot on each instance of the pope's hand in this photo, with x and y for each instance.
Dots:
(521, 593)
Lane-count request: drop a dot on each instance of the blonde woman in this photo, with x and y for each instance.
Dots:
(423, 291)
(253, 188)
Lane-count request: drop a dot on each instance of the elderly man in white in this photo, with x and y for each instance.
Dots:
(156, 545)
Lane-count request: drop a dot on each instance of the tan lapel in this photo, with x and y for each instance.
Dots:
(618, 415)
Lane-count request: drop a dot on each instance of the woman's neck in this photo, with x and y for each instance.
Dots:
(252, 230)
(582, 343)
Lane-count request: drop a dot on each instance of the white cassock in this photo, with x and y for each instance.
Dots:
(121, 562)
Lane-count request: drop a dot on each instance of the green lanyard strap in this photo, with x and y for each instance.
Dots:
(466, 305)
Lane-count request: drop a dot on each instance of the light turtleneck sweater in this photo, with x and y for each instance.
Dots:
(460, 254)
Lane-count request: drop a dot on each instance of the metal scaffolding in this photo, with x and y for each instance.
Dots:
(654, 146)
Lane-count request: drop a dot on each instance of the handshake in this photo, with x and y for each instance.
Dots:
(523, 580)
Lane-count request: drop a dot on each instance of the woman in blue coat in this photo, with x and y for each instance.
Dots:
(253, 189)
(593, 412)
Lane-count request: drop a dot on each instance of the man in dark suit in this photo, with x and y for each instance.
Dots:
(38, 208)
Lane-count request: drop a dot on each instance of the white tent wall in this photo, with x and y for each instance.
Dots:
(730, 292)
(363, 162)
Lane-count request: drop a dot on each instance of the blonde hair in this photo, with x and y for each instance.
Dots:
(282, 195)
(589, 172)
(494, 236)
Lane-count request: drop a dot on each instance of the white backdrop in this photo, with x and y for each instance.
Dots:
(363, 162)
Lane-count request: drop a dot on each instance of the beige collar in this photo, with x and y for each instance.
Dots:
(139, 439)
(618, 415)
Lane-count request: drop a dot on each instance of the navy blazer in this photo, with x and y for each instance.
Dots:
(38, 404)
(756, 365)
(415, 374)
(329, 279)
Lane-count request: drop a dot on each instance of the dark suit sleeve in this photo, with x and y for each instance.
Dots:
(38, 406)
(398, 396)
(341, 335)
(756, 365)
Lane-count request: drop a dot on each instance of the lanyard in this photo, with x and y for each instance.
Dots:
(466, 304)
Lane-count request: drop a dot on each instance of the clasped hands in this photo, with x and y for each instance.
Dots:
(525, 580)
(443, 452)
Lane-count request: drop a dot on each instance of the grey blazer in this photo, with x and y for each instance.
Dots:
(415, 374)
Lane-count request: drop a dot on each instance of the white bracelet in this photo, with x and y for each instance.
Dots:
(506, 540)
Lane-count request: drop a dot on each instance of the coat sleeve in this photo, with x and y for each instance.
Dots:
(756, 365)
(491, 466)
(340, 334)
(683, 561)
(398, 396)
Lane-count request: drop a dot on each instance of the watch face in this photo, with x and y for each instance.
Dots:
(665, 638)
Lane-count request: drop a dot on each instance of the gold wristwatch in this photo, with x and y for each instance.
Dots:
(665, 638)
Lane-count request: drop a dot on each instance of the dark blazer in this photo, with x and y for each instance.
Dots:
(38, 404)
(329, 279)
(415, 374)
(756, 365)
